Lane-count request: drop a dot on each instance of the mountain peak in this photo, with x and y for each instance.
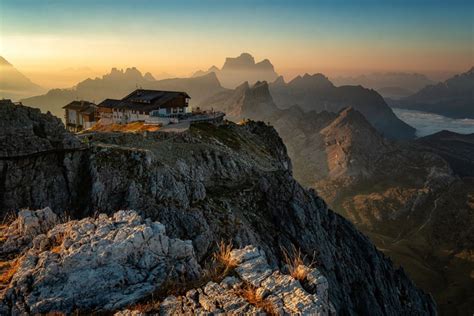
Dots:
(4, 62)
(245, 60)
(317, 80)
(279, 81)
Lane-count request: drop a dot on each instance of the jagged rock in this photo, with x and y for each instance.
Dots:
(275, 292)
(210, 183)
(102, 263)
(25, 131)
(25, 227)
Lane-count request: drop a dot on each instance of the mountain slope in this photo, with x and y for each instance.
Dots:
(13, 84)
(317, 93)
(390, 84)
(212, 183)
(240, 69)
(457, 149)
(452, 98)
(406, 198)
(400, 194)
(119, 83)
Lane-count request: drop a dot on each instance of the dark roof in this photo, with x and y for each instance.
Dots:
(109, 103)
(79, 105)
(143, 100)
(153, 96)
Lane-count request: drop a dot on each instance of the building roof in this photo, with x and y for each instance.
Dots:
(79, 105)
(143, 100)
(109, 103)
(153, 96)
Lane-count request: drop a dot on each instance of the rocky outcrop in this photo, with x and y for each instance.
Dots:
(101, 263)
(25, 131)
(28, 224)
(231, 182)
(255, 289)
(39, 161)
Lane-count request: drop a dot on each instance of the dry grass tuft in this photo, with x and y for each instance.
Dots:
(249, 293)
(295, 263)
(223, 255)
(8, 270)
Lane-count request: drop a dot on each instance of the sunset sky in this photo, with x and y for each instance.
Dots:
(50, 39)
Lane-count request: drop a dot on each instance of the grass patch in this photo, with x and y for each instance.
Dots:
(295, 263)
(224, 256)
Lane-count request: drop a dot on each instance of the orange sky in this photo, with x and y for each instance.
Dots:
(58, 43)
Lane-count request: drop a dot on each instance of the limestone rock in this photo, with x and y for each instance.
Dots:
(25, 227)
(102, 263)
(273, 292)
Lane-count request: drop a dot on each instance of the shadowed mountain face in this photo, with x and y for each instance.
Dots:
(457, 149)
(452, 98)
(317, 93)
(13, 84)
(240, 69)
(404, 195)
(392, 85)
(119, 83)
(211, 183)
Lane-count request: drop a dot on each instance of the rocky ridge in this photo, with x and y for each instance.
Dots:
(404, 195)
(231, 182)
(107, 263)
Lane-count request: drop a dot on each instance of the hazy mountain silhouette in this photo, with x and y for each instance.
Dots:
(119, 83)
(13, 84)
(317, 93)
(389, 84)
(453, 97)
(243, 68)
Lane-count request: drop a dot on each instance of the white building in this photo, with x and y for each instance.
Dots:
(143, 105)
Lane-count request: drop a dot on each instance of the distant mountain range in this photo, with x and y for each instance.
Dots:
(317, 93)
(393, 85)
(15, 85)
(119, 83)
(243, 68)
(452, 98)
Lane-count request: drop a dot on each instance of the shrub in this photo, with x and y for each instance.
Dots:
(249, 293)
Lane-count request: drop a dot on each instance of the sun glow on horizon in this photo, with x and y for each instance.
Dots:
(45, 39)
